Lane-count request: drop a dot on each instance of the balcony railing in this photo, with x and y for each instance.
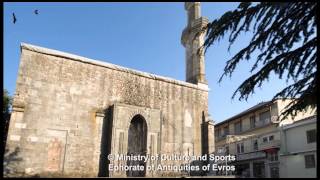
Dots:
(269, 144)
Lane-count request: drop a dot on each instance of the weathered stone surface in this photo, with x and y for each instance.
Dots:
(193, 39)
(71, 112)
(64, 97)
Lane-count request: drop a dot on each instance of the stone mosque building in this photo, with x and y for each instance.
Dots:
(71, 114)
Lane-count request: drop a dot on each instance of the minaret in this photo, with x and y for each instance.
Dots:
(192, 40)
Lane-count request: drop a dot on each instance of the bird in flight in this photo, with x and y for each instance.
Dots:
(14, 18)
(36, 11)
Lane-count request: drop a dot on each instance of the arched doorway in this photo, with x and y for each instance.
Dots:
(137, 144)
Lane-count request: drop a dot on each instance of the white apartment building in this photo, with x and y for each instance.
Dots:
(253, 136)
(298, 151)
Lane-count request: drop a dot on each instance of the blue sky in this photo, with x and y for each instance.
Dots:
(142, 36)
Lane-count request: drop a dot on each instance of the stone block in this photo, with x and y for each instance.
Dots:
(15, 137)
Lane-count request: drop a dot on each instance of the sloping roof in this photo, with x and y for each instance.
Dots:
(253, 108)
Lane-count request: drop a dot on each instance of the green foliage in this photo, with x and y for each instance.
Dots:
(284, 35)
(6, 102)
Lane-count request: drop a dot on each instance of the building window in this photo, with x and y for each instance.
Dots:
(238, 127)
(273, 156)
(311, 136)
(226, 130)
(255, 145)
(309, 161)
(252, 121)
(243, 170)
(264, 118)
(271, 138)
(258, 170)
(268, 139)
(274, 172)
(217, 132)
(240, 148)
(227, 150)
(265, 139)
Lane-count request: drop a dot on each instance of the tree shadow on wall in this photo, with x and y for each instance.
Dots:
(10, 162)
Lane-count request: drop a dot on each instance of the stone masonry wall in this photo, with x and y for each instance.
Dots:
(53, 126)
